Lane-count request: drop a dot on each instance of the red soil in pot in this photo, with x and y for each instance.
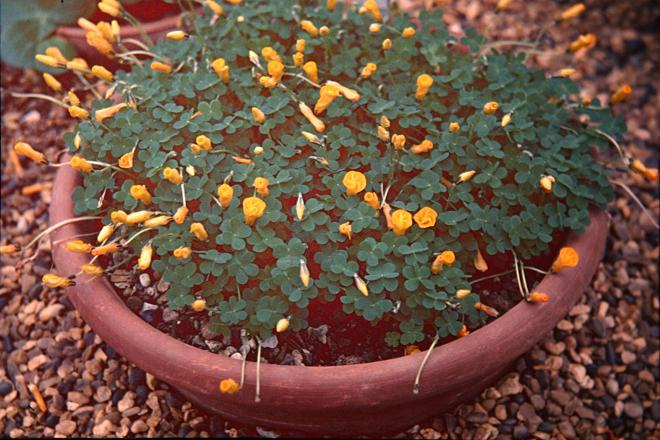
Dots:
(369, 398)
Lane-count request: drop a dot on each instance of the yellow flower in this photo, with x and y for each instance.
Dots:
(282, 325)
(109, 9)
(374, 28)
(47, 60)
(462, 293)
(309, 27)
(172, 175)
(98, 42)
(350, 94)
(401, 221)
(444, 258)
(586, 41)
(479, 262)
(261, 185)
(225, 193)
(215, 7)
(383, 134)
(55, 281)
(108, 112)
(354, 181)
(331, 5)
(454, 127)
(54, 52)
(651, 174)
(25, 149)
(298, 59)
(276, 70)
(182, 252)
(145, 257)
(126, 160)
(73, 98)
(258, 115)
(538, 297)
(425, 217)
(546, 183)
(199, 305)
(586, 102)
(199, 231)
(229, 386)
(253, 208)
(424, 83)
(300, 207)
(78, 112)
(491, 107)
(408, 32)
(80, 164)
(411, 349)
(106, 232)
(311, 137)
(77, 140)
(311, 70)
(384, 121)
(138, 217)
(566, 72)
(8, 249)
(346, 229)
(386, 44)
(140, 192)
(155, 222)
(221, 69)
(106, 30)
(567, 258)
(368, 70)
(371, 198)
(371, 7)
(177, 35)
(361, 285)
(118, 217)
(424, 147)
(78, 65)
(621, 94)
(300, 45)
(399, 141)
(203, 142)
(506, 119)
(304, 273)
(78, 246)
(466, 176)
(311, 117)
(502, 5)
(180, 215)
(324, 30)
(487, 310)
(161, 67)
(91, 269)
(328, 93)
(52, 82)
(268, 82)
(105, 249)
(572, 12)
(102, 73)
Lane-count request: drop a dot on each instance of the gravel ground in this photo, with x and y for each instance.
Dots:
(595, 376)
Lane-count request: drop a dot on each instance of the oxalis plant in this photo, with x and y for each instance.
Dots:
(270, 155)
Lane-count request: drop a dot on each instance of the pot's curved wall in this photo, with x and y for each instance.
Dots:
(349, 400)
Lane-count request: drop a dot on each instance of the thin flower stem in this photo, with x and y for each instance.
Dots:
(138, 43)
(135, 22)
(515, 266)
(478, 280)
(299, 76)
(257, 393)
(421, 366)
(59, 225)
(39, 96)
(624, 157)
(142, 52)
(137, 234)
(244, 360)
(636, 199)
(536, 269)
(82, 79)
(524, 278)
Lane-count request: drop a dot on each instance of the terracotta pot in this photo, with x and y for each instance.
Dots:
(370, 398)
(76, 36)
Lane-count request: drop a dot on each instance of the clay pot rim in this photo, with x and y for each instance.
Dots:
(323, 398)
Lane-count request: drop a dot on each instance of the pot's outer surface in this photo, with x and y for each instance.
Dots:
(370, 398)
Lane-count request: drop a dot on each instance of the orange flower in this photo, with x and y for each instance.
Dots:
(199, 305)
(312, 71)
(480, 263)
(78, 246)
(78, 112)
(140, 192)
(371, 6)
(126, 161)
(204, 142)
(24, 149)
(586, 41)
(487, 310)
(8, 249)
(138, 217)
(463, 331)
(424, 83)
(311, 117)
(368, 70)
(371, 198)
(304, 273)
(410, 349)
(408, 32)
(282, 325)
(221, 69)
(52, 82)
(350, 94)
(424, 147)
(298, 59)
(454, 127)
(157, 66)
(538, 297)
(401, 221)
(346, 229)
(98, 42)
(225, 193)
(491, 107)
(444, 258)
(176, 35)
(261, 185)
(425, 217)
(155, 222)
(55, 52)
(300, 45)
(253, 208)
(621, 94)
(146, 254)
(182, 252)
(258, 115)
(118, 217)
(80, 164)
(78, 65)
(55, 281)
(546, 183)
(462, 293)
(567, 258)
(106, 249)
(108, 112)
(199, 231)
(572, 12)
(172, 175)
(399, 141)
(386, 44)
(215, 7)
(354, 181)
(309, 27)
(328, 93)
(91, 269)
(180, 215)
(276, 70)
(47, 60)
